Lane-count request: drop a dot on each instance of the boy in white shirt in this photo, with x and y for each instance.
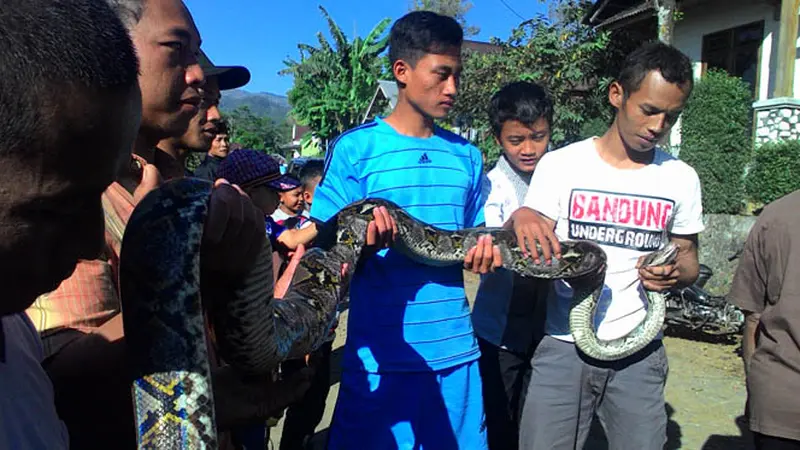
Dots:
(619, 191)
(508, 317)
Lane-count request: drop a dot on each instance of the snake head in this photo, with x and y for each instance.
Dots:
(663, 256)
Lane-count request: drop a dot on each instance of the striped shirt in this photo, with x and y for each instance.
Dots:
(89, 297)
(406, 316)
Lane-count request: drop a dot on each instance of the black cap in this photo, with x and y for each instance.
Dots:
(228, 77)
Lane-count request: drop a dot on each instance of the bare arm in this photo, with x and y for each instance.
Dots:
(291, 239)
(749, 338)
(688, 264)
(680, 274)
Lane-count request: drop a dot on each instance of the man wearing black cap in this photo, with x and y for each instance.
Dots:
(204, 126)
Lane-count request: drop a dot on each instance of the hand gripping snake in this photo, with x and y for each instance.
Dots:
(164, 319)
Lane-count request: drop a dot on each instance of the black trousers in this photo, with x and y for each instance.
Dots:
(505, 376)
(764, 442)
(304, 416)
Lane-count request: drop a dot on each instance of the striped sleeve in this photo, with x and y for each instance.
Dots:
(479, 192)
(339, 185)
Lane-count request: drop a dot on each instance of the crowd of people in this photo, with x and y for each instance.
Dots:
(110, 98)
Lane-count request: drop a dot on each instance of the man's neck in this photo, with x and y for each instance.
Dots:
(171, 147)
(614, 151)
(169, 166)
(145, 147)
(409, 121)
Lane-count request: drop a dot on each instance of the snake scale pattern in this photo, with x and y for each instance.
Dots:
(164, 314)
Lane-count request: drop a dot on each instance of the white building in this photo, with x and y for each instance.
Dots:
(753, 39)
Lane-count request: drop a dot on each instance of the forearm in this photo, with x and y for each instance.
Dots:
(749, 339)
(689, 269)
(687, 262)
(292, 238)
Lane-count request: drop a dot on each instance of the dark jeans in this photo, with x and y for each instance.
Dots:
(505, 376)
(764, 442)
(304, 416)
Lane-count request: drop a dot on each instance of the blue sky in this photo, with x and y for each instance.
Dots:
(260, 34)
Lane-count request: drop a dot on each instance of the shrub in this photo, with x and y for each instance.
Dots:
(775, 171)
(716, 139)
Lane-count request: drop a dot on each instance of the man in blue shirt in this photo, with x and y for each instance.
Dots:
(410, 376)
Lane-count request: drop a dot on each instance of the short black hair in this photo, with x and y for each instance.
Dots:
(222, 127)
(521, 100)
(673, 65)
(312, 169)
(422, 32)
(59, 62)
(129, 11)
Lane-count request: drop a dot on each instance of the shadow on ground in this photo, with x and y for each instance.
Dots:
(742, 442)
(597, 437)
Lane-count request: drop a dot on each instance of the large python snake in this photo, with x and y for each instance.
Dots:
(164, 319)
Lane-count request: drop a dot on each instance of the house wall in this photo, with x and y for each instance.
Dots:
(717, 15)
(706, 17)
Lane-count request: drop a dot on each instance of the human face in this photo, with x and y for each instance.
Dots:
(220, 146)
(203, 126)
(524, 145)
(167, 43)
(266, 199)
(292, 201)
(432, 84)
(647, 115)
(308, 192)
(50, 210)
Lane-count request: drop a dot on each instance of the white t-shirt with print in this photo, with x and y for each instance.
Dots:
(622, 210)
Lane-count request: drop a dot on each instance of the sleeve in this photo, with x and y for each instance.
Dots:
(689, 212)
(479, 191)
(339, 185)
(749, 286)
(493, 209)
(274, 230)
(542, 194)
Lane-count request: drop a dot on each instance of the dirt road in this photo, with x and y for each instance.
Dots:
(705, 395)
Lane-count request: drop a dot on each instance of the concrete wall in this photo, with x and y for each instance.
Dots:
(723, 237)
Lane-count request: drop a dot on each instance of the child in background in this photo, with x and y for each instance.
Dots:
(291, 212)
(508, 317)
(310, 176)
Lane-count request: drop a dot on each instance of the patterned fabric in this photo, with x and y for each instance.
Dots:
(518, 179)
(250, 168)
(90, 297)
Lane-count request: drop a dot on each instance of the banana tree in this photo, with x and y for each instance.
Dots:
(335, 81)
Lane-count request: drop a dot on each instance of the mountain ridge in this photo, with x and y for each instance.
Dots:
(261, 104)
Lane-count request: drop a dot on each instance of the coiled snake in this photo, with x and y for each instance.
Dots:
(164, 321)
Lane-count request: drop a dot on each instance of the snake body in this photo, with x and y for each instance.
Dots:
(160, 283)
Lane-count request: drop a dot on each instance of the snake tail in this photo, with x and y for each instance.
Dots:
(163, 319)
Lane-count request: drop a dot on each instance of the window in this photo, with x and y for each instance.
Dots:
(735, 50)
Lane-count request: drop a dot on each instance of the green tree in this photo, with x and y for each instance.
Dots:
(255, 132)
(773, 172)
(574, 62)
(334, 82)
(456, 9)
(716, 139)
